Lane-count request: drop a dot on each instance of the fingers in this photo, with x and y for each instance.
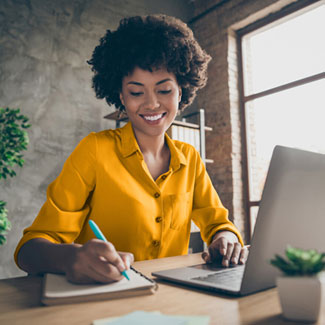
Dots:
(107, 251)
(104, 272)
(216, 251)
(223, 246)
(127, 258)
(98, 261)
(232, 255)
(206, 257)
(96, 271)
(226, 250)
(244, 254)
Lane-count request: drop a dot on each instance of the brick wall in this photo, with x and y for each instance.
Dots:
(216, 32)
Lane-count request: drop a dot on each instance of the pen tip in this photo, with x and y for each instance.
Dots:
(125, 275)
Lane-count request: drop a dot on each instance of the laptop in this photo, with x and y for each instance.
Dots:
(292, 212)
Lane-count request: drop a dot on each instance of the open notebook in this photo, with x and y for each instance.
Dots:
(57, 290)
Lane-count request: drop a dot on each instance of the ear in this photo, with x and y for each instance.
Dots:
(179, 94)
(121, 99)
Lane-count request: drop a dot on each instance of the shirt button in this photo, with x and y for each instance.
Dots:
(158, 219)
(157, 195)
(156, 243)
(163, 177)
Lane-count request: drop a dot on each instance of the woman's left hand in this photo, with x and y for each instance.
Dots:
(226, 250)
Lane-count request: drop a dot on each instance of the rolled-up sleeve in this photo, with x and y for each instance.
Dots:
(62, 216)
(208, 213)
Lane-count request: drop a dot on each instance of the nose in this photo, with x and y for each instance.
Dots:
(151, 101)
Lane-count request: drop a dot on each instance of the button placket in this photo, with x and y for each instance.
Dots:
(158, 219)
(155, 243)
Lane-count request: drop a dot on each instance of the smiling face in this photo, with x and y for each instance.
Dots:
(151, 100)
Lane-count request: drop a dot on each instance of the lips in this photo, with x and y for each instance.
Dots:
(153, 117)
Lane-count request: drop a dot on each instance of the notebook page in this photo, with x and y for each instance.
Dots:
(57, 286)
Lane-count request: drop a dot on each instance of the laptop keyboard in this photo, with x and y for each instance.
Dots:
(231, 277)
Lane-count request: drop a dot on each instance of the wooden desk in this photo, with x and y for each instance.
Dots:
(20, 302)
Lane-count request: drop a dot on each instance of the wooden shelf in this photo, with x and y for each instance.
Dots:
(191, 125)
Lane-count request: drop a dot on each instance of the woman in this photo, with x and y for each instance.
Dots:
(140, 187)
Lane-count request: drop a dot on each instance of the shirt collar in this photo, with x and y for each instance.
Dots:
(177, 157)
(130, 146)
(129, 143)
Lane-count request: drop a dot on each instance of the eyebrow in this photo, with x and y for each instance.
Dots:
(140, 84)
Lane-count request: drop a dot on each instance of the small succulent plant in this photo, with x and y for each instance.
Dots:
(300, 262)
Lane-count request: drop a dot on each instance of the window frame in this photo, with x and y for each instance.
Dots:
(288, 12)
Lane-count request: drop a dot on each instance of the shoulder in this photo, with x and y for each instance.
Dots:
(104, 137)
(95, 142)
(185, 148)
(186, 153)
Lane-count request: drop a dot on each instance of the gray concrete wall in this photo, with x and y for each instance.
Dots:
(44, 45)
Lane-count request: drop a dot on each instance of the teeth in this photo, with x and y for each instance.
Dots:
(152, 117)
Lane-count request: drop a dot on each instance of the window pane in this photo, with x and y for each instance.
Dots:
(253, 214)
(289, 51)
(293, 118)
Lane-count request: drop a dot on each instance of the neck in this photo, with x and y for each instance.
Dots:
(151, 145)
(155, 152)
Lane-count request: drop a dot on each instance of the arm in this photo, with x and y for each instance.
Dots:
(95, 261)
(46, 244)
(225, 243)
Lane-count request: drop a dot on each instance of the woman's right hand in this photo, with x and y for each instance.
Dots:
(97, 261)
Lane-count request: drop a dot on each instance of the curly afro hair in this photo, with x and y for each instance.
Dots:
(148, 42)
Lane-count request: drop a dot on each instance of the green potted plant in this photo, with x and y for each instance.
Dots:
(13, 140)
(300, 287)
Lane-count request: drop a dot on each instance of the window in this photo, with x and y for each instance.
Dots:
(283, 70)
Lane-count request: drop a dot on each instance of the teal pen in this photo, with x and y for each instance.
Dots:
(100, 235)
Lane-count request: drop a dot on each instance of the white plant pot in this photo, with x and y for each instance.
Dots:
(300, 297)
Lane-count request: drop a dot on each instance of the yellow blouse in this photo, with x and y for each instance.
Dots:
(106, 179)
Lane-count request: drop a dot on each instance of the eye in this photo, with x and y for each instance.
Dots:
(136, 94)
(165, 92)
